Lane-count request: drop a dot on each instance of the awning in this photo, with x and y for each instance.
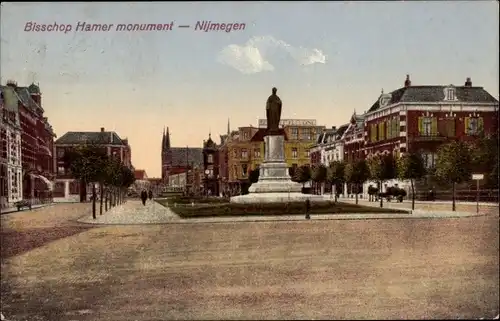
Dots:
(49, 184)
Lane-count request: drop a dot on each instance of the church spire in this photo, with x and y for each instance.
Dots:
(167, 140)
(163, 139)
(228, 127)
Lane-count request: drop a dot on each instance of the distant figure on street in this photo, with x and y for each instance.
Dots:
(144, 197)
(308, 208)
(150, 194)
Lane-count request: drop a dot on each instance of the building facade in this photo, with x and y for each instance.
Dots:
(211, 177)
(417, 119)
(175, 160)
(11, 173)
(66, 187)
(37, 139)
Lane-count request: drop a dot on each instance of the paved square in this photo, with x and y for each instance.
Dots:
(420, 268)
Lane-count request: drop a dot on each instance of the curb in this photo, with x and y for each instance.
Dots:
(28, 210)
(187, 221)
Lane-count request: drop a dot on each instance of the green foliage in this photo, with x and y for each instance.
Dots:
(298, 208)
(410, 166)
(357, 173)
(319, 173)
(454, 162)
(382, 167)
(485, 159)
(372, 190)
(335, 172)
(302, 174)
(86, 163)
(254, 174)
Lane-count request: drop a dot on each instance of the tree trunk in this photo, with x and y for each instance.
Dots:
(381, 198)
(83, 191)
(412, 194)
(93, 201)
(453, 197)
(356, 192)
(106, 201)
(101, 192)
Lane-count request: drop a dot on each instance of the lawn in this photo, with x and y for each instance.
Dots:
(211, 208)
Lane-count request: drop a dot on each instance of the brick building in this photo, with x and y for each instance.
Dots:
(420, 119)
(67, 188)
(176, 160)
(37, 139)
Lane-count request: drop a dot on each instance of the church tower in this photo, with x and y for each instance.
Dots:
(166, 156)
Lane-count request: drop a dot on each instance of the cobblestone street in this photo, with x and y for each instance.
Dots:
(419, 268)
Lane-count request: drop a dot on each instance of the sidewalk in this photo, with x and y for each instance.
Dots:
(406, 201)
(24, 209)
(134, 213)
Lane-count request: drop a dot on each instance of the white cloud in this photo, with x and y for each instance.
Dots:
(252, 57)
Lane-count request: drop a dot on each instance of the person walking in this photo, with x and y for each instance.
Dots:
(308, 208)
(150, 194)
(144, 197)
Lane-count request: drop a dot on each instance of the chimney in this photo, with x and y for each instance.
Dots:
(334, 127)
(407, 81)
(468, 82)
(102, 129)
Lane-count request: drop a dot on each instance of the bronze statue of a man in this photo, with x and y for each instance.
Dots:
(273, 113)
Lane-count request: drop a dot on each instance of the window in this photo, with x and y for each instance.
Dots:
(306, 134)
(429, 159)
(427, 126)
(210, 158)
(473, 125)
(61, 170)
(295, 153)
(244, 170)
(373, 133)
(395, 127)
(381, 131)
(294, 133)
(256, 153)
(60, 153)
(450, 94)
(235, 153)
(307, 153)
(244, 153)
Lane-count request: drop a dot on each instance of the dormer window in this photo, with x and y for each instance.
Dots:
(384, 100)
(450, 93)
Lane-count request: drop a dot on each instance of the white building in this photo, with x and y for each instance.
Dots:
(11, 178)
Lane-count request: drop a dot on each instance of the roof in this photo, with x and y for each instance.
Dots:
(262, 132)
(77, 138)
(33, 89)
(341, 130)
(182, 156)
(140, 174)
(209, 143)
(436, 94)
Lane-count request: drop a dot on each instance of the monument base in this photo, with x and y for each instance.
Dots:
(275, 184)
(260, 198)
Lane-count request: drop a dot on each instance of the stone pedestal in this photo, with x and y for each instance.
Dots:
(275, 184)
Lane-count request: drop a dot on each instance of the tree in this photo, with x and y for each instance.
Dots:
(411, 167)
(319, 175)
(87, 163)
(302, 175)
(335, 175)
(454, 164)
(485, 159)
(382, 168)
(356, 173)
(254, 174)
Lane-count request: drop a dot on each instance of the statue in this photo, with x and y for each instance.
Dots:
(273, 113)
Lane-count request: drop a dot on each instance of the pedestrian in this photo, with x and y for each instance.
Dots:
(308, 208)
(144, 197)
(150, 194)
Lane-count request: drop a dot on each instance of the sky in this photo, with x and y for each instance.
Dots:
(327, 59)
